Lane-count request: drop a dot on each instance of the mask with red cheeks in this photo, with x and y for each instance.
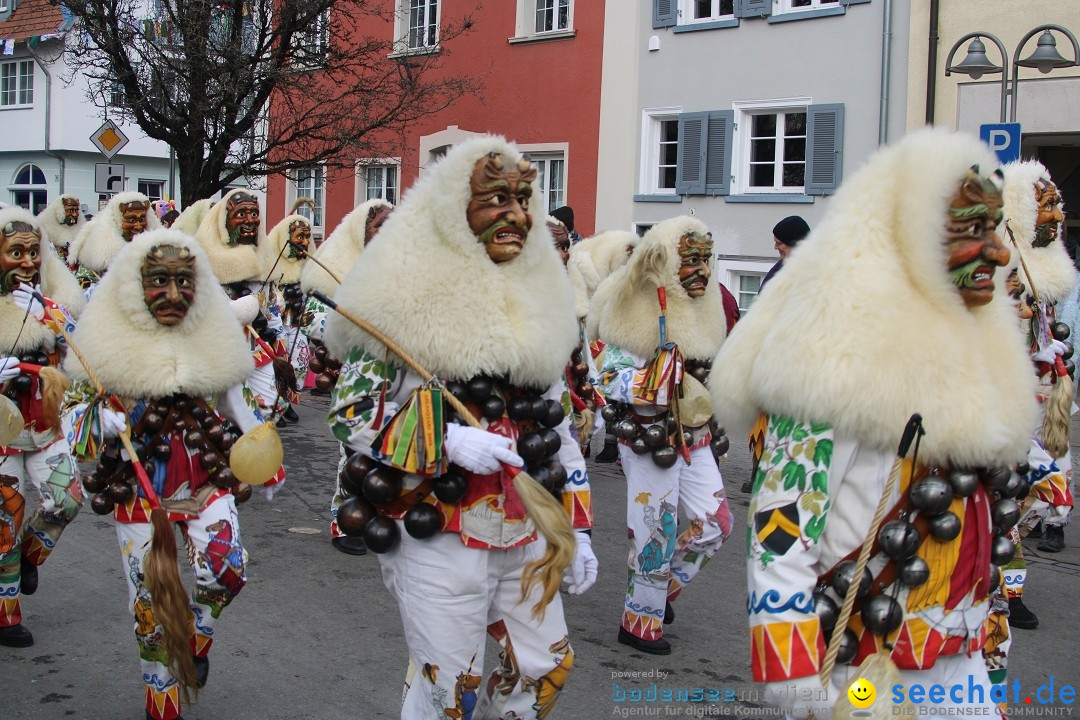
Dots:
(132, 218)
(695, 255)
(299, 239)
(71, 211)
(498, 209)
(20, 256)
(168, 279)
(242, 222)
(972, 246)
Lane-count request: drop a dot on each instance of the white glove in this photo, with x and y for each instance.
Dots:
(24, 298)
(581, 574)
(246, 308)
(479, 451)
(112, 422)
(9, 368)
(800, 697)
(1047, 354)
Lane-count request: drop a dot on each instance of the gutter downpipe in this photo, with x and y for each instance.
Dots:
(931, 62)
(48, 117)
(886, 68)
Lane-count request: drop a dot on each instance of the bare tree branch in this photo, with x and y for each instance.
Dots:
(200, 75)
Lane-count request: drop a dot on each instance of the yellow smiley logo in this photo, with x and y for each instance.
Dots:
(862, 693)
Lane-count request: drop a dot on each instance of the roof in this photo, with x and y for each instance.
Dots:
(31, 19)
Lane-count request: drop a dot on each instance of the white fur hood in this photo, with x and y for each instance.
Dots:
(102, 238)
(14, 321)
(428, 283)
(52, 222)
(863, 327)
(134, 356)
(287, 269)
(339, 251)
(232, 263)
(593, 259)
(625, 309)
(1052, 272)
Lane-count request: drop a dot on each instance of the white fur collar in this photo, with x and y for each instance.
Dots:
(52, 222)
(232, 263)
(34, 335)
(863, 326)
(593, 259)
(625, 309)
(192, 216)
(102, 238)
(1052, 270)
(136, 357)
(58, 284)
(287, 269)
(428, 283)
(339, 251)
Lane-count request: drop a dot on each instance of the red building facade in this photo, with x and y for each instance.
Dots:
(541, 61)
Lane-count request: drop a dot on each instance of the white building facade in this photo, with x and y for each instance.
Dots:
(743, 112)
(45, 145)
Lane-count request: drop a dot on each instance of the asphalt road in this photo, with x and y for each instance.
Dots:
(314, 635)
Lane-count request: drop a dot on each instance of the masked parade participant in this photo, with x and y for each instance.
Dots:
(590, 262)
(33, 450)
(471, 290)
(1046, 276)
(290, 240)
(232, 236)
(890, 313)
(126, 215)
(338, 254)
(652, 375)
(61, 221)
(160, 302)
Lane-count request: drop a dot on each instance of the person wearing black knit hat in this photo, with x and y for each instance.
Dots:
(565, 215)
(786, 234)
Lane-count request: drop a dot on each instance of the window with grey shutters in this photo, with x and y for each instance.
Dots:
(753, 8)
(704, 158)
(664, 13)
(690, 175)
(824, 157)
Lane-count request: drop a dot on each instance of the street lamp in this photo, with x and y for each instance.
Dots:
(1045, 58)
(976, 64)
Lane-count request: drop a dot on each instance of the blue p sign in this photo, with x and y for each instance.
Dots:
(1003, 139)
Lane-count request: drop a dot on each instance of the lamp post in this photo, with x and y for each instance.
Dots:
(976, 64)
(1045, 58)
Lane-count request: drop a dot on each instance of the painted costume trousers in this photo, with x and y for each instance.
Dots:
(340, 495)
(296, 343)
(217, 558)
(661, 561)
(451, 596)
(54, 476)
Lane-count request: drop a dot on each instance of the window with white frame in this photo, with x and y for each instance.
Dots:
(749, 286)
(29, 189)
(418, 24)
(310, 183)
(313, 41)
(694, 11)
(380, 181)
(153, 189)
(776, 151)
(550, 183)
(660, 152)
(3, 5)
(552, 15)
(17, 83)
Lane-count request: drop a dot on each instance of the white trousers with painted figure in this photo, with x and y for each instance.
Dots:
(662, 561)
(218, 559)
(451, 597)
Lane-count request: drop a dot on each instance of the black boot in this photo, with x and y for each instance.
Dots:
(350, 545)
(291, 415)
(669, 614)
(16, 636)
(1053, 539)
(659, 646)
(1036, 532)
(28, 580)
(202, 670)
(610, 453)
(1020, 616)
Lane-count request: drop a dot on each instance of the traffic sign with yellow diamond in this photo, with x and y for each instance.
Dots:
(109, 139)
